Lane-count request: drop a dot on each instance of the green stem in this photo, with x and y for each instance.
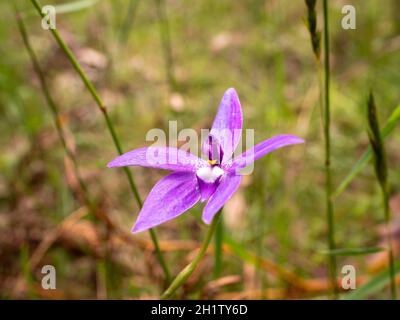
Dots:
(110, 127)
(219, 238)
(328, 177)
(392, 272)
(188, 270)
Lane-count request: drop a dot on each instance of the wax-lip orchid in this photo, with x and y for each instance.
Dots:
(194, 179)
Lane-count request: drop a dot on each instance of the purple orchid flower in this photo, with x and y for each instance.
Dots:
(194, 179)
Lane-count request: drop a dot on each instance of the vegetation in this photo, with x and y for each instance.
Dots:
(73, 98)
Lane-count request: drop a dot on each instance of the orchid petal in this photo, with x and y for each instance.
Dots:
(206, 189)
(159, 157)
(227, 125)
(227, 187)
(263, 148)
(169, 198)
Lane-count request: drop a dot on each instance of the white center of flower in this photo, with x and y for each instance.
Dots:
(209, 174)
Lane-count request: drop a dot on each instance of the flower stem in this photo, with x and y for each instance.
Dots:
(219, 238)
(328, 177)
(188, 270)
(90, 87)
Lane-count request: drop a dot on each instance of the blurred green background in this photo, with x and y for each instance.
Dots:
(172, 60)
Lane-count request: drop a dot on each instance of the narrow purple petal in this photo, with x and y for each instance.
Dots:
(170, 197)
(227, 125)
(159, 157)
(263, 148)
(227, 187)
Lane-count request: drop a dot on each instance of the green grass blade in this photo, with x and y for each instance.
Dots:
(74, 6)
(353, 251)
(70, 7)
(367, 155)
(261, 263)
(238, 249)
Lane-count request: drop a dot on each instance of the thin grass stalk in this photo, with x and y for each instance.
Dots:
(188, 270)
(128, 20)
(261, 278)
(101, 280)
(363, 160)
(90, 87)
(315, 37)
(389, 240)
(166, 43)
(26, 272)
(381, 171)
(53, 108)
(327, 136)
(323, 75)
(59, 128)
